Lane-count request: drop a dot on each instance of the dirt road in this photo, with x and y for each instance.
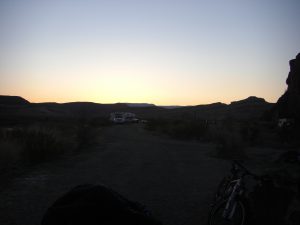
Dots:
(174, 179)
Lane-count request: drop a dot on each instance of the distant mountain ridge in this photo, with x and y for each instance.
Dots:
(14, 106)
(140, 105)
(17, 100)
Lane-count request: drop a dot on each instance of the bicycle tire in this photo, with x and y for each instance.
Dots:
(239, 217)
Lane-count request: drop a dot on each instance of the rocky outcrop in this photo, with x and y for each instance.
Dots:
(293, 80)
(288, 105)
(252, 100)
(12, 100)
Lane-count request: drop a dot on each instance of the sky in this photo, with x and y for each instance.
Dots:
(166, 52)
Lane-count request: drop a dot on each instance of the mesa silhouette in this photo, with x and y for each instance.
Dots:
(14, 108)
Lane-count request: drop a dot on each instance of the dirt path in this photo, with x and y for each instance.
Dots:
(174, 179)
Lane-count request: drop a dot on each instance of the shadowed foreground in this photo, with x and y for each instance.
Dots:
(175, 180)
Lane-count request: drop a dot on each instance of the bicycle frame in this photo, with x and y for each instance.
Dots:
(231, 202)
(230, 198)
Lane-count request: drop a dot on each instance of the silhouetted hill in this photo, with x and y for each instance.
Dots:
(250, 108)
(79, 109)
(12, 100)
(252, 100)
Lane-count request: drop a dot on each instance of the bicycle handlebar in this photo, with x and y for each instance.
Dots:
(264, 178)
(246, 171)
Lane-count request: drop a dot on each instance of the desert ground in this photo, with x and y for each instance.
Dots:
(174, 179)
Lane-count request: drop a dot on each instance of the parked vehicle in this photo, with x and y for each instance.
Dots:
(123, 117)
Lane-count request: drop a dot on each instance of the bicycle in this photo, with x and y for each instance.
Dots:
(230, 205)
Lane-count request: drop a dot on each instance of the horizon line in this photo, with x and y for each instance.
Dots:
(146, 103)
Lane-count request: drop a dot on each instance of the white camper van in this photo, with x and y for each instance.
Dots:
(123, 117)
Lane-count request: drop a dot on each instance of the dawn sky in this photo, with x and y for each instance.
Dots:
(167, 52)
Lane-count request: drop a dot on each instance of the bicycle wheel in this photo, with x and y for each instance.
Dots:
(238, 218)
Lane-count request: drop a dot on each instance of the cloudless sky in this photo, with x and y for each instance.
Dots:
(167, 52)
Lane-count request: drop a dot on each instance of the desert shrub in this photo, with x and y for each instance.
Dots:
(9, 154)
(43, 141)
(41, 144)
(86, 135)
(250, 133)
(100, 122)
(180, 129)
(83, 136)
(229, 144)
(2, 134)
(254, 135)
(189, 129)
(288, 135)
(157, 125)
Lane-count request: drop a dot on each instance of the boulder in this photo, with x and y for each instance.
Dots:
(96, 205)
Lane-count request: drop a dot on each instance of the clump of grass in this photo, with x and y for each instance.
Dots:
(230, 146)
(250, 133)
(41, 144)
(180, 129)
(189, 130)
(9, 154)
(228, 136)
(44, 141)
(100, 122)
(157, 125)
(229, 143)
(85, 136)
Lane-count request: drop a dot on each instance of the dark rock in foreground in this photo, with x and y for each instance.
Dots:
(96, 204)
